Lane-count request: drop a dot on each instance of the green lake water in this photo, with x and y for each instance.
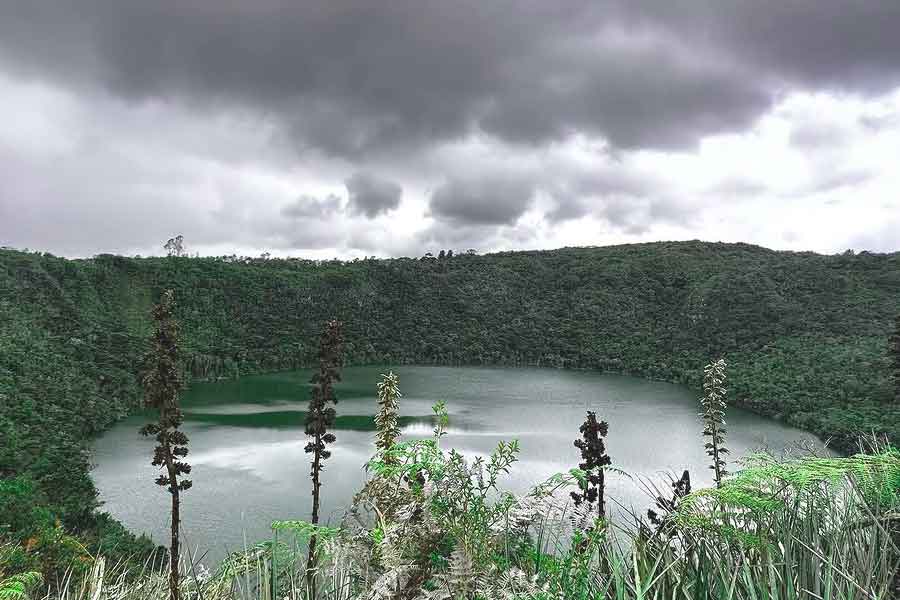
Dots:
(249, 467)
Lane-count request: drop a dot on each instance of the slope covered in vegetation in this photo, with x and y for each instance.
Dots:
(805, 335)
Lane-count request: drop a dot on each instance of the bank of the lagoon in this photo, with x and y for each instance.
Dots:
(246, 439)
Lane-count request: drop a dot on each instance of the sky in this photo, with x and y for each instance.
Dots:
(328, 128)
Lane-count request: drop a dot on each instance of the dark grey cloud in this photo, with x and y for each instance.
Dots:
(309, 206)
(208, 117)
(823, 44)
(567, 209)
(371, 196)
(637, 215)
(636, 97)
(587, 192)
(356, 78)
(496, 199)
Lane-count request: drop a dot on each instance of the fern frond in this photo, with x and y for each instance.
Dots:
(17, 587)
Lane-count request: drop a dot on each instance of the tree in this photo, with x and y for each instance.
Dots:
(386, 419)
(175, 246)
(319, 419)
(595, 459)
(713, 403)
(162, 383)
(895, 359)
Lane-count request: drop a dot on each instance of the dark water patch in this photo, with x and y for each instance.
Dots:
(293, 419)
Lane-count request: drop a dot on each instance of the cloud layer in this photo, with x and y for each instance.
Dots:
(371, 195)
(384, 127)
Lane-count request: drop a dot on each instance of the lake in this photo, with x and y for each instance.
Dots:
(249, 467)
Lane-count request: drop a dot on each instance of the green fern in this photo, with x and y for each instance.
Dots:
(875, 476)
(18, 586)
(767, 485)
(305, 529)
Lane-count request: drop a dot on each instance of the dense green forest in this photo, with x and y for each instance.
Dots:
(805, 335)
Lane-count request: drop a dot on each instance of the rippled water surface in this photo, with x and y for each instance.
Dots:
(246, 442)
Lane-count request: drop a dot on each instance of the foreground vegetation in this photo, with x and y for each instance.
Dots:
(806, 337)
(430, 524)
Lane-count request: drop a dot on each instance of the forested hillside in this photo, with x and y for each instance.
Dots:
(805, 335)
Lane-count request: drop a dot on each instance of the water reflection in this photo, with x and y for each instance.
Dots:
(250, 468)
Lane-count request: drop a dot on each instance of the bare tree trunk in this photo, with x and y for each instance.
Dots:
(314, 519)
(175, 524)
(601, 502)
(174, 547)
(715, 457)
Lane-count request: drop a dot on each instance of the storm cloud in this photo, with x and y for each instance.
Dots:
(351, 77)
(371, 196)
(546, 117)
(496, 200)
(309, 206)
